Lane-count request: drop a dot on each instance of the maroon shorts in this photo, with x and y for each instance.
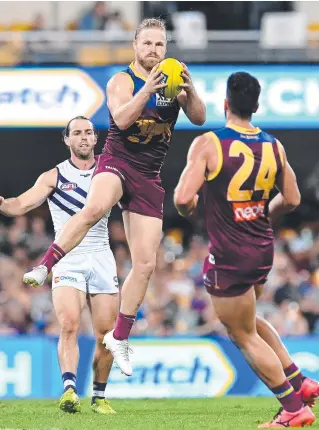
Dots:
(225, 283)
(141, 194)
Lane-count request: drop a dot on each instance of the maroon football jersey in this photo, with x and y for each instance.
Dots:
(145, 143)
(236, 199)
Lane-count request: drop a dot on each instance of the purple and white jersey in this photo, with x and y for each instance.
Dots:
(68, 198)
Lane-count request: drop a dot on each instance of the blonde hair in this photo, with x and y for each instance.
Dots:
(151, 23)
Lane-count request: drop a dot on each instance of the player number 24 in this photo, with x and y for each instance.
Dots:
(266, 176)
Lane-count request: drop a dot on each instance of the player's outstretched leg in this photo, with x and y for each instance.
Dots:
(306, 387)
(68, 304)
(104, 309)
(238, 314)
(98, 203)
(144, 235)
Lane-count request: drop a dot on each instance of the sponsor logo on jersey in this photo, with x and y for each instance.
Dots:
(247, 136)
(248, 211)
(115, 170)
(69, 186)
(58, 279)
(163, 101)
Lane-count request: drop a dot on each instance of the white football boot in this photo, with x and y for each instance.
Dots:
(120, 351)
(36, 278)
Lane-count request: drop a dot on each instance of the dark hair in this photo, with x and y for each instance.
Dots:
(151, 23)
(66, 131)
(243, 92)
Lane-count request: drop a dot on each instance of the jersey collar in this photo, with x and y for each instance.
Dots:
(72, 164)
(243, 130)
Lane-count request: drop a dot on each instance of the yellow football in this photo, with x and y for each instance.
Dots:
(172, 70)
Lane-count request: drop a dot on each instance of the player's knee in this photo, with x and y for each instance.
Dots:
(239, 337)
(99, 339)
(262, 324)
(92, 214)
(145, 266)
(100, 335)
(69, 327)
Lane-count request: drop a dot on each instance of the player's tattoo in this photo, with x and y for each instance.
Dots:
(252, 364)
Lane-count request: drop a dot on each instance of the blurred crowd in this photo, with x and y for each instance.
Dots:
(176, 302)
(53, 47)
(101, 15)
(97, 16)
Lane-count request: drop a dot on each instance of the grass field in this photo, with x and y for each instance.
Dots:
(235, 413)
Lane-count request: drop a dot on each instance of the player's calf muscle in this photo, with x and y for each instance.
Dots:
(251, 360)
(137, 306)
(260, 357)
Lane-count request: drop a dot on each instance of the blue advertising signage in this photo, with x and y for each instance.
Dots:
(162, 368)
(49, 97)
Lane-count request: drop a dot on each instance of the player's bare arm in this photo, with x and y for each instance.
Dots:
(126, 109)
(289, 196)
(32, 198)
(200, 160)
(189, 100)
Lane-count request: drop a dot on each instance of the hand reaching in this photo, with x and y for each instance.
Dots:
(153, 82)
(188, 83)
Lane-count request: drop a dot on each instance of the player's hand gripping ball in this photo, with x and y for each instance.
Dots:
(172, 71)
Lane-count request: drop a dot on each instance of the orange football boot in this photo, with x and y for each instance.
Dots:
(309, 391)
(283, 419)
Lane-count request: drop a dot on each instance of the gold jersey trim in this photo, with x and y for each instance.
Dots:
(215, 139)
(136, 73)
(281, 153)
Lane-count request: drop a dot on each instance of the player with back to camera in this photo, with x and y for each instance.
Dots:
(141, 127)
(88, 274)
(237, 167)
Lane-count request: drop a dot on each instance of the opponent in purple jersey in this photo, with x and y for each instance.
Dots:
(237, 167)
(141, 125)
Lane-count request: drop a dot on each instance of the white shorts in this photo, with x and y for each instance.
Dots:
(92, 273)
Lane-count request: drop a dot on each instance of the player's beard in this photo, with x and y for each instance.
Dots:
(148, 63)
(82, 154)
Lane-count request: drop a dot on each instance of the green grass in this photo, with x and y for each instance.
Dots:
(235, 413)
